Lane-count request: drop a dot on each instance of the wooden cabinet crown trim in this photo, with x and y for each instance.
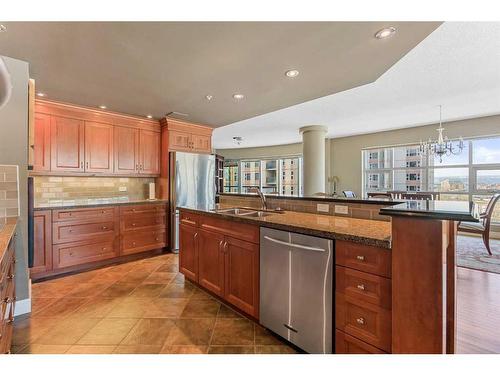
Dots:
(92, 114)
(186, 127)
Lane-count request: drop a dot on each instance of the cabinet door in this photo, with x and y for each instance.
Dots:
(179, 141)
(67, 144)
(126, 150)
(242, 275)
(41, 147)
(149, 143)
(202, 143)
(98, 147)
(42, 241)
(188, 251)
(211, 261)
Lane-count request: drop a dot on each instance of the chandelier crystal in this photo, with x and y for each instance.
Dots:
(442, 146)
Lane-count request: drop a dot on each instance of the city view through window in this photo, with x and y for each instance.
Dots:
(273, 176)
(472, 175)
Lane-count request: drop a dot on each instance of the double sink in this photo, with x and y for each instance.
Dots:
(246, 212)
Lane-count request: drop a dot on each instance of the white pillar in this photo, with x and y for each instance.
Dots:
(313, 152)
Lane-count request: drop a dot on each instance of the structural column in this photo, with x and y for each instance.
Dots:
(313, 152)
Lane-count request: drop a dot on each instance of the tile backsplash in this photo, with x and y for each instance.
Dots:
(9, 192)
(49, 188)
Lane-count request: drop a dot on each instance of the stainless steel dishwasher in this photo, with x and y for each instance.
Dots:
(296, 288)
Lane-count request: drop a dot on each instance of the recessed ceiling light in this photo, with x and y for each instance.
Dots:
(103, 107)
(385, 32)
(292, 73)
(209, 97)
(149, 116)
(41, 94)
(3, 28)
(238, 96)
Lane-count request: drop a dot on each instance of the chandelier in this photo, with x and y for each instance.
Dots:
(443, 146)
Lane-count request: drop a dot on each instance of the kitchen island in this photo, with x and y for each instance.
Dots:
(394, 281)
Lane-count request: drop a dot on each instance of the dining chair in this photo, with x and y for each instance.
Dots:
(483, 227)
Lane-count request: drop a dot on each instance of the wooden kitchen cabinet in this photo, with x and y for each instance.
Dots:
(223, 257)
(188, 137)
(149, 151)
(71, 140)
(188, 251)
(41, 145)
(67, 145)
(42, 242)
(98, 147)
(126, 150)
(241, 270)
(211, 261)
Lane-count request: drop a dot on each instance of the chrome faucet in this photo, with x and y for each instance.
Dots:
(261, 196)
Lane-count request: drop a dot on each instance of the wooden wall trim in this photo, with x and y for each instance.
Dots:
(92, 114)
(186, 127)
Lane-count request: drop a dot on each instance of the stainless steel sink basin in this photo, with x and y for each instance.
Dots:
(257, 214)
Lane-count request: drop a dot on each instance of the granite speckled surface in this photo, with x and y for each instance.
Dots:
(368, 232)
(6, 232)
(88, 203)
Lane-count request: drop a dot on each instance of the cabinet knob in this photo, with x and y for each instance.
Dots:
(157, 239)
(360, 321)
(133, 243)
(133, 224)
(11, 276)
(103, 249)
(104, 228)
(360, 257)
(361, 286)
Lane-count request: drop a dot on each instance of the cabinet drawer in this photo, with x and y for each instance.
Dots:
(135, 242)
(72, 254)
(141, 221)
(244, 232)
(80, 231)
(346, 344)
(104, 213)
(189, 218)
(364, 286)
(364, 321)
(143, 208)
(365, 258)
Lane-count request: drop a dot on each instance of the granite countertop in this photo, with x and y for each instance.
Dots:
(368, 232)
(6, 232)
(379, 201)
(437, 210)
(97, 202)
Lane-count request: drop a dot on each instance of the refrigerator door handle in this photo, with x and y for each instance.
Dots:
(302, 247)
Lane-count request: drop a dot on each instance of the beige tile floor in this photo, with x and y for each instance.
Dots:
(144, 306)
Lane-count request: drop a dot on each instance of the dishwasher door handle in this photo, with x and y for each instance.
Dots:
(297, 246)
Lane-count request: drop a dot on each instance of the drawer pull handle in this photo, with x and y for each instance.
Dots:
(360, 257)
(360, 321)
(361, 286)
(104, 228)
(103, 249)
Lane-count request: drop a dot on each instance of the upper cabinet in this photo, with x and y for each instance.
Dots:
(66, 144)
(184, 136)
(76, 140)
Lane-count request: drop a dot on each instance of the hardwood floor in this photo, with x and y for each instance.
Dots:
(138, 307)
(478, 311)
(147, 307)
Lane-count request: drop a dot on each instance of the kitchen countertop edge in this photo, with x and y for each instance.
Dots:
(7, 231)
(297, 229)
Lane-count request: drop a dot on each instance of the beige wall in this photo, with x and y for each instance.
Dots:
(344, 154)
(14, 151)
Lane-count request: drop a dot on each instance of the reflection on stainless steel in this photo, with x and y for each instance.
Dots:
(193, 185)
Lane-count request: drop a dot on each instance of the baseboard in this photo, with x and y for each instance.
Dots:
(23, 307)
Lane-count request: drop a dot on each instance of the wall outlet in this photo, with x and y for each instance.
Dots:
(122, 188)
(339, 209)
(323, 207)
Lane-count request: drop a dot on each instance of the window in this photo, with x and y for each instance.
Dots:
(473, 175)
(273, 176)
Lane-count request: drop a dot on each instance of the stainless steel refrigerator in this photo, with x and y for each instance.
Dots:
(192, 184)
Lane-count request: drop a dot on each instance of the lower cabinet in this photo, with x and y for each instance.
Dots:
(212, 256)
(70, 239)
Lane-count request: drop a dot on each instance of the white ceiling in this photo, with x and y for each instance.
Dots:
(458, 66)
